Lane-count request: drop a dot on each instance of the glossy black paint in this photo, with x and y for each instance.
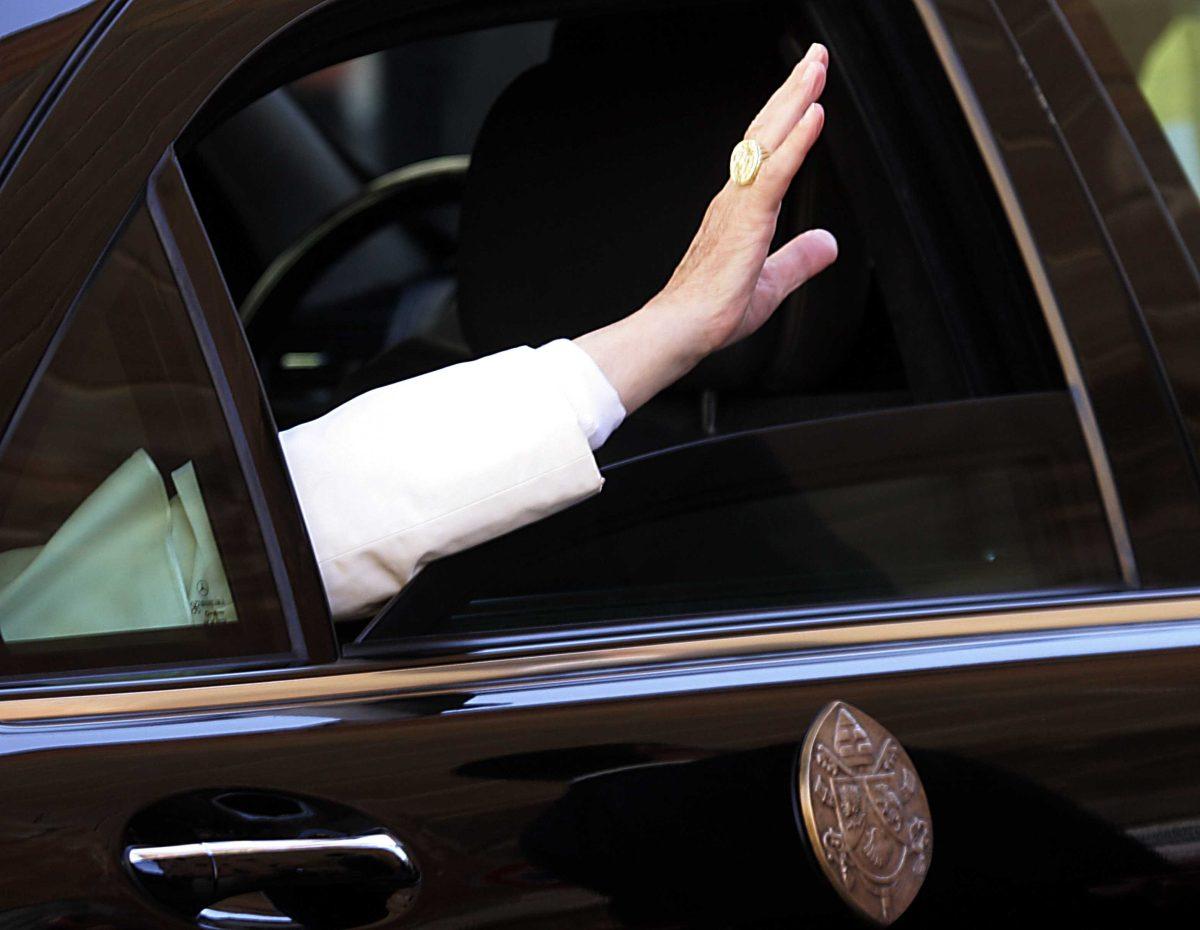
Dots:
(40, 43)
(1148, 209)
(1060, 767)
(1028, 767)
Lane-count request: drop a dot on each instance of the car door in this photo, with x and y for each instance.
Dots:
(239, 773)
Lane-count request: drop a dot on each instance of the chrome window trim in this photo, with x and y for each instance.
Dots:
(973, 111)
(1138, 623)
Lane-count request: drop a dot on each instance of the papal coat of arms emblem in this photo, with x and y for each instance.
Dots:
(865, 812)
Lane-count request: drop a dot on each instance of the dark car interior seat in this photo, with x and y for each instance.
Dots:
(589, 176)
(588, 180)
(265, 178)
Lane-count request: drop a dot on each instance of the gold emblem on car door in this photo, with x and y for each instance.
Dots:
(865, 812)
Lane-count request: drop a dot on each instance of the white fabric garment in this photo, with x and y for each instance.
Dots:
(596, 403)
(424, 468)
(126, 559)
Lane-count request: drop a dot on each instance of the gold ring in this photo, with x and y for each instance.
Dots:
(748, 156)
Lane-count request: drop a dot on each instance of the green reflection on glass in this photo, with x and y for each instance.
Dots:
(1161, 41)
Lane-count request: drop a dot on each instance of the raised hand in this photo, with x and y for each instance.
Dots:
(727, 285)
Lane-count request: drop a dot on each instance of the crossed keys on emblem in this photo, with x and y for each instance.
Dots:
(869, 810)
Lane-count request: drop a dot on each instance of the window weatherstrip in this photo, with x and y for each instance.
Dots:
(1157, 621)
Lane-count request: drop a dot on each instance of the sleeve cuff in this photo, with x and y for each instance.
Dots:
(595, 401)
(424, 468)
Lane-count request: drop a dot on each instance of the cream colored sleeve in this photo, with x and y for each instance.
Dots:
(424, 468)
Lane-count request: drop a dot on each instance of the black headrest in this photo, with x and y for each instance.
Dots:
(593, 170)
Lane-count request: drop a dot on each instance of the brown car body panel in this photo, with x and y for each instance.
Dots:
(31, 58)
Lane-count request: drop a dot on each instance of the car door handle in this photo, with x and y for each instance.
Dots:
(192, 876)
(236, 862)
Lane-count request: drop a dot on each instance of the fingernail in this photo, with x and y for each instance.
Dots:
(812, 50)
(830, 239)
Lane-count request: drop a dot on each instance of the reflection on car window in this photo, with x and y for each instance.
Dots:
(946, 500)
(144, 561)
(1161, 41)
(123, 515)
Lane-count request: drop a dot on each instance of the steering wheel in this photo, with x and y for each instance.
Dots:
(386, 200)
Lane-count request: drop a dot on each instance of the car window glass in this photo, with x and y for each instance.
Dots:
(126, 529)
(1161, 41)
(990, 496)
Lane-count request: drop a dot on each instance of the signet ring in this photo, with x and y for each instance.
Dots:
(748, 156)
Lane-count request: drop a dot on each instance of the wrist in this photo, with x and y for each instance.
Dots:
(673, 330)
(646, 351)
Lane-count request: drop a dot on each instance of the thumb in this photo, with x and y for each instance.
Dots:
(795, 262)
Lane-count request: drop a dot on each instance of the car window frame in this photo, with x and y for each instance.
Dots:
(374, 641)
(306, 629)
(252, 427)
(274, 62)
(258, 44)
(1126, 405)
(1138, 176)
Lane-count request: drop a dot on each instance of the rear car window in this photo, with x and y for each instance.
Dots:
(127, 532)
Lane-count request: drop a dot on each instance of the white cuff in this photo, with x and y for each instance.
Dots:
(595, 401)
(421, 469)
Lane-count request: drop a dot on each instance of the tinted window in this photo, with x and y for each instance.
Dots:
(950, 500)
(127, 533)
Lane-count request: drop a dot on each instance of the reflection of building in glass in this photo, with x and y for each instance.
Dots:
(126, 559)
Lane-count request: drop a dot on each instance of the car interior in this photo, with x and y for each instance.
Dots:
(453, 195)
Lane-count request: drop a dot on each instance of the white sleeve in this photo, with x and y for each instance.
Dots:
(596, 402)
(424, 468)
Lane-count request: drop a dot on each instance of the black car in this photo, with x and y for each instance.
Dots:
(952, 488)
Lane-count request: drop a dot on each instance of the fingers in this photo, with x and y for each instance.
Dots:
(780, 113)
(776, 119)
(793, 263)
(778, 171)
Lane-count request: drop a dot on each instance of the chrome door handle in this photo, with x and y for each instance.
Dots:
(193, 876)
(267, 858)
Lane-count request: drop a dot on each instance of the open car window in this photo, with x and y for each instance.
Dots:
(900, 430)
